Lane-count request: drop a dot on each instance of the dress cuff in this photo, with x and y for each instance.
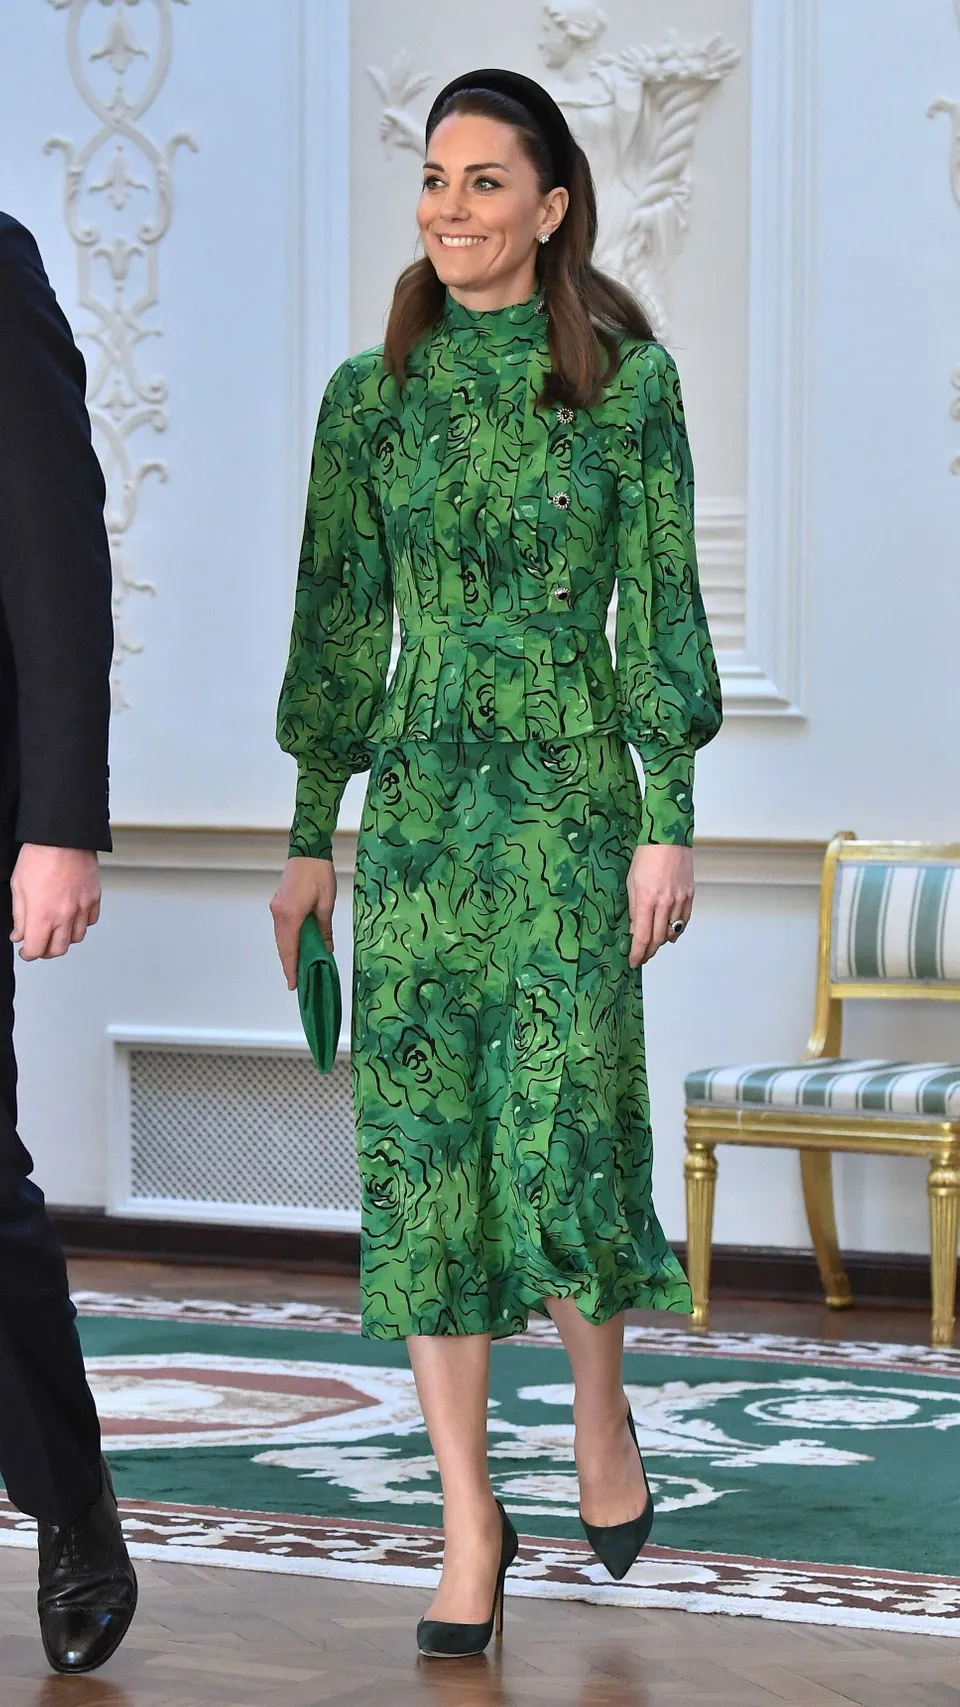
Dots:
(321, 780)
(667, 813)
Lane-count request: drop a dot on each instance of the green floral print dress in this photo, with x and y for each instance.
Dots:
(498, 1064)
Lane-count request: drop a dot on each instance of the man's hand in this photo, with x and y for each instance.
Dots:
(659, 890)
(307, 886)
(56, 898)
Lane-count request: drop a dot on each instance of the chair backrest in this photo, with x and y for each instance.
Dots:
(889, 926)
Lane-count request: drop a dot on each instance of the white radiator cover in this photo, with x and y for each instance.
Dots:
(235, 1127)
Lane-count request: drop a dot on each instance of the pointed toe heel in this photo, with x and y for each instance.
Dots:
(438, 1639)
(618, 1545)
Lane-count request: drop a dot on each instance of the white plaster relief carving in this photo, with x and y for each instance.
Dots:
(119, 74)
(397, 87)
(952, 110)
(634, 112)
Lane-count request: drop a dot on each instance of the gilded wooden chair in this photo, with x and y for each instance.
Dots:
(889, 927)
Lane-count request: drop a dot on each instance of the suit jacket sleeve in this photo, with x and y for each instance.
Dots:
(55, 576)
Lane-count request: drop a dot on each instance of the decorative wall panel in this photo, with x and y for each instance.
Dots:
(118, 204)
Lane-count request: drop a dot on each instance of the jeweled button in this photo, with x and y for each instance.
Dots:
(561, 592)
(561, 500)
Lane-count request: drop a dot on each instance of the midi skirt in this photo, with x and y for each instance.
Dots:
(498, 1068)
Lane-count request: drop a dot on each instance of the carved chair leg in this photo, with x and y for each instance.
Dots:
(943, 1190)
(816, 1174)
(700, 1174)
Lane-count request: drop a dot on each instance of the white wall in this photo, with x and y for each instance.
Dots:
(812, 305)
(879, 605)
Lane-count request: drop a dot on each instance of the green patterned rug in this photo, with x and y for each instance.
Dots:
(793, 1479)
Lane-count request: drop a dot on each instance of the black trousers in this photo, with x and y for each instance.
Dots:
(49, 1432)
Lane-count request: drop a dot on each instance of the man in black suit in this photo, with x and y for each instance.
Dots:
(56, 642)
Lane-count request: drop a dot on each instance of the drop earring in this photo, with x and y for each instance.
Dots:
(543, 237)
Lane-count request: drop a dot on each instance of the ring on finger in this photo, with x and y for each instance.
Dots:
(677, 928)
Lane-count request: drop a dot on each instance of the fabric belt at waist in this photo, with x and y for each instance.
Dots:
(498, 628)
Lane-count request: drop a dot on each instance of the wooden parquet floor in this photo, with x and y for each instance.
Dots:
(219, 1638)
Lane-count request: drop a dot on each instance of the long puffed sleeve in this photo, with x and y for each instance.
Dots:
(668, 688)
(342, 624)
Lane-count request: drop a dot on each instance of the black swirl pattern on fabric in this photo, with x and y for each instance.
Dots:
(498, 1063)
(497, 1035)
(500, 530)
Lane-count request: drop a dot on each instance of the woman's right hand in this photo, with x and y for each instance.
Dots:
(307, 886)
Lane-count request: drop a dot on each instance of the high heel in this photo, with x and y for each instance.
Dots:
(617, 1545)
(442, 1640)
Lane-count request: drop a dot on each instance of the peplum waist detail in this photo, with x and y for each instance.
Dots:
(543, 676)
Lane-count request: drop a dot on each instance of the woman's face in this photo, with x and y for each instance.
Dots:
(481, 211)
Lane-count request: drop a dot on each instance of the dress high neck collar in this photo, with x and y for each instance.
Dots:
(520, 322)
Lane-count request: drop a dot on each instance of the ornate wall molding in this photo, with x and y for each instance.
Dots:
(722, 558)
(952, 110)
(635, 112)
(783, 149)
(119, 70)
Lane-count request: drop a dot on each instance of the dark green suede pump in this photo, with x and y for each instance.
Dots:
(617, 1545)
(443, 1641)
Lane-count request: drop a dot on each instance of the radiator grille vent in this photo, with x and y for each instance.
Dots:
(257, 1129)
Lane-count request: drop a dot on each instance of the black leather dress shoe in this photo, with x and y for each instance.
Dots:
(88, 1590)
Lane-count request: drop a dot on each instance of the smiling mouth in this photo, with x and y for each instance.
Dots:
(460, 242)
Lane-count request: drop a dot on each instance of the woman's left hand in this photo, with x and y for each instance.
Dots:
(660, 891)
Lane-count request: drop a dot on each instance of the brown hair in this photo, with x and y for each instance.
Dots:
(587, 313)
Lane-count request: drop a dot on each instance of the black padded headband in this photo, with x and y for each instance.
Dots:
(532, 97)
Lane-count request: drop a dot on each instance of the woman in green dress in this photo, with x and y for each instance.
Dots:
(512, 454)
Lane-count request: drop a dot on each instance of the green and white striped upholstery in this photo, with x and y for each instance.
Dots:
(896, 923)
(921, 1089)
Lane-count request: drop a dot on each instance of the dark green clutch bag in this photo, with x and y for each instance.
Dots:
(318, 989)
